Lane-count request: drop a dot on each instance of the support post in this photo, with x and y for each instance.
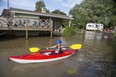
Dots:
(26, 34)
(51, 34)
(51, 28)
(69, 23)
(27, 29)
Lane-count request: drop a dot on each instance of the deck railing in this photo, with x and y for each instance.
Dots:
(25, 24)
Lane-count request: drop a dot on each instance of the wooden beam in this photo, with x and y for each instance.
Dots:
(51, 34)
(26, 34)
(69, 23)
(51, 22)
(27, 29)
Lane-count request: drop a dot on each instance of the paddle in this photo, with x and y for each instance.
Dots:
(34, 49)
(74, 46)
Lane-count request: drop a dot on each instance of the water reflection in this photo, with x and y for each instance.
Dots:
(97, 58)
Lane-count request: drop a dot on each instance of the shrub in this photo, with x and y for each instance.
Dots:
(114, 34)
(68, 31)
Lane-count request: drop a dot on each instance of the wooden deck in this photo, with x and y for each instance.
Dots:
(30, 29)
(26, 24)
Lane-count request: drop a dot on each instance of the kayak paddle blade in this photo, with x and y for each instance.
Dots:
(34, 49)
(76, 46)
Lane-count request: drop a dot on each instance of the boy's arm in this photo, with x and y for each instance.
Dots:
(51, 47)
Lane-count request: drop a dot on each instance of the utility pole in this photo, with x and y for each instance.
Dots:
(7, 14)
(58, 11)
(7, 4)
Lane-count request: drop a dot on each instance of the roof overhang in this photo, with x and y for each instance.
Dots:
(40, 14)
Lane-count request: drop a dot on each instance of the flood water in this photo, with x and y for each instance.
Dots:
(97, 57)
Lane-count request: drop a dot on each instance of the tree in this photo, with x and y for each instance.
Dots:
(58, 12)
(47, 11)
(39, 5)
(113, 20)
(98, 11)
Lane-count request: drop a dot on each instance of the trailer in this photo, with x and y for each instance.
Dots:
(94, 26)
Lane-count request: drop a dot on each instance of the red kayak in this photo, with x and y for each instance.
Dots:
(43, 56)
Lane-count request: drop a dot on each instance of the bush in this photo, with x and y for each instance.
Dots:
(114, 34)
(68, 31)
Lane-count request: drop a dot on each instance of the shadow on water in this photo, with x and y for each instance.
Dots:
(112, 44)
(7, 38)
(103, 57)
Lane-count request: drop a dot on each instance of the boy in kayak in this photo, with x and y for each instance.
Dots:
(58, 47)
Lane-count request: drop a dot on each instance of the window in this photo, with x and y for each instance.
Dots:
(89, 25)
